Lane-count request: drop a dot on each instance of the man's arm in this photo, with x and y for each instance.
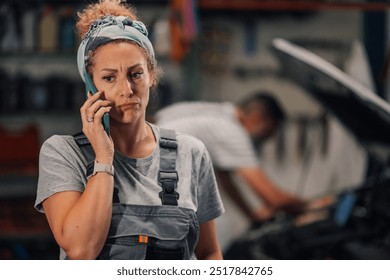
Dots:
(231, 189)
(273, 197)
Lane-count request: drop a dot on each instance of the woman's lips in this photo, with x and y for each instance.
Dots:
(129, 105)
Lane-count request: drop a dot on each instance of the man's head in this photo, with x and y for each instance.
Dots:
(261, 115)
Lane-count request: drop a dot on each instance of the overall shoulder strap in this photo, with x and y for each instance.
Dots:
(87, 150)
(167, 175)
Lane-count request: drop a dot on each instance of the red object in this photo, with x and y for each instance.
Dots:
(182, 27)
(19, 151)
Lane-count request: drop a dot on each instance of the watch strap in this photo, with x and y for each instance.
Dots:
(100, 167)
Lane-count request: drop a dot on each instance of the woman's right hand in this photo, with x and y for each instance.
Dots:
(92, 113)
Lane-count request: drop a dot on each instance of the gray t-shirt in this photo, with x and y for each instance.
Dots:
(62, 167)
(217, 126)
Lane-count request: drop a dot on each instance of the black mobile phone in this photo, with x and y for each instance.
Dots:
(90, 87)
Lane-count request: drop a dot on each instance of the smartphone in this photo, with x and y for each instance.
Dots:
(90, 87)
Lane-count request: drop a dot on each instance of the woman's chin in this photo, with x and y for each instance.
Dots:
(126, 119)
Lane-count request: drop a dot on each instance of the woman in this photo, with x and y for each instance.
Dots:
(149, 196)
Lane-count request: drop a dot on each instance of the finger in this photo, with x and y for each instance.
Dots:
(91, 99)
(91, 111)
(99, 114)
(91, 105)
(98, 120)
(95, 124)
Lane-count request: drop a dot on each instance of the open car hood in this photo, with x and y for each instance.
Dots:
(362, 112)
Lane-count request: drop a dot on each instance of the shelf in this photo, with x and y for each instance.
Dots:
(250, 5)
(13, 186)
(26, 234)
(36, 57)
(73, 2)
(55, 115)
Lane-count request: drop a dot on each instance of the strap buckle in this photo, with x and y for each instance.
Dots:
(168, 181)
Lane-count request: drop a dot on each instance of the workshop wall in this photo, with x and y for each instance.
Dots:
(319, 155)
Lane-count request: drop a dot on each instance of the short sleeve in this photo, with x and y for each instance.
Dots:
(60, 169)
(217, 126)
(210, 205)
(230, 146)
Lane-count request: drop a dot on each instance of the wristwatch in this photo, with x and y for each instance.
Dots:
(102, 167)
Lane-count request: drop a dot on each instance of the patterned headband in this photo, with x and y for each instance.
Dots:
(111, 28)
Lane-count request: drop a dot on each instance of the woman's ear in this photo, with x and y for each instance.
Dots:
(152, 81)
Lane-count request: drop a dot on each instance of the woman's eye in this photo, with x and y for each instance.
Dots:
(108, 78)
(135, 75)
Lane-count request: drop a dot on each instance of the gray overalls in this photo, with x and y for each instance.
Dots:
(156, 232)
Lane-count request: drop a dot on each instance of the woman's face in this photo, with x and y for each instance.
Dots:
(120, 71)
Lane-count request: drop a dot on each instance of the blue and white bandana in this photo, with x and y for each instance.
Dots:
(111, 28)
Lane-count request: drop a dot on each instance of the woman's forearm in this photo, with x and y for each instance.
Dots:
(85, 228)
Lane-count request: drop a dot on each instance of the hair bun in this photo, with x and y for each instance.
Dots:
(112, 1)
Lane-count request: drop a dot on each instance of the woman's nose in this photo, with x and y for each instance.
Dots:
(126, 89)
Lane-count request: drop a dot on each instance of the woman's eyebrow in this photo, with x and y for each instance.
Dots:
(134, 66)
(116, 70)
(109, 70)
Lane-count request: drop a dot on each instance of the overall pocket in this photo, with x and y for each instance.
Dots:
(148, 232)
(160, 253)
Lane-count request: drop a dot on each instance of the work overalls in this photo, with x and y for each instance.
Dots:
(141, 232)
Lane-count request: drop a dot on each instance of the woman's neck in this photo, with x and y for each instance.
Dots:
(133, 140)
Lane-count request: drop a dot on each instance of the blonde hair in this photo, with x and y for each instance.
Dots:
(93, 12)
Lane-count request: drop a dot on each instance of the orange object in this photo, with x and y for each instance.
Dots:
(143, 239)
(182, 27)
